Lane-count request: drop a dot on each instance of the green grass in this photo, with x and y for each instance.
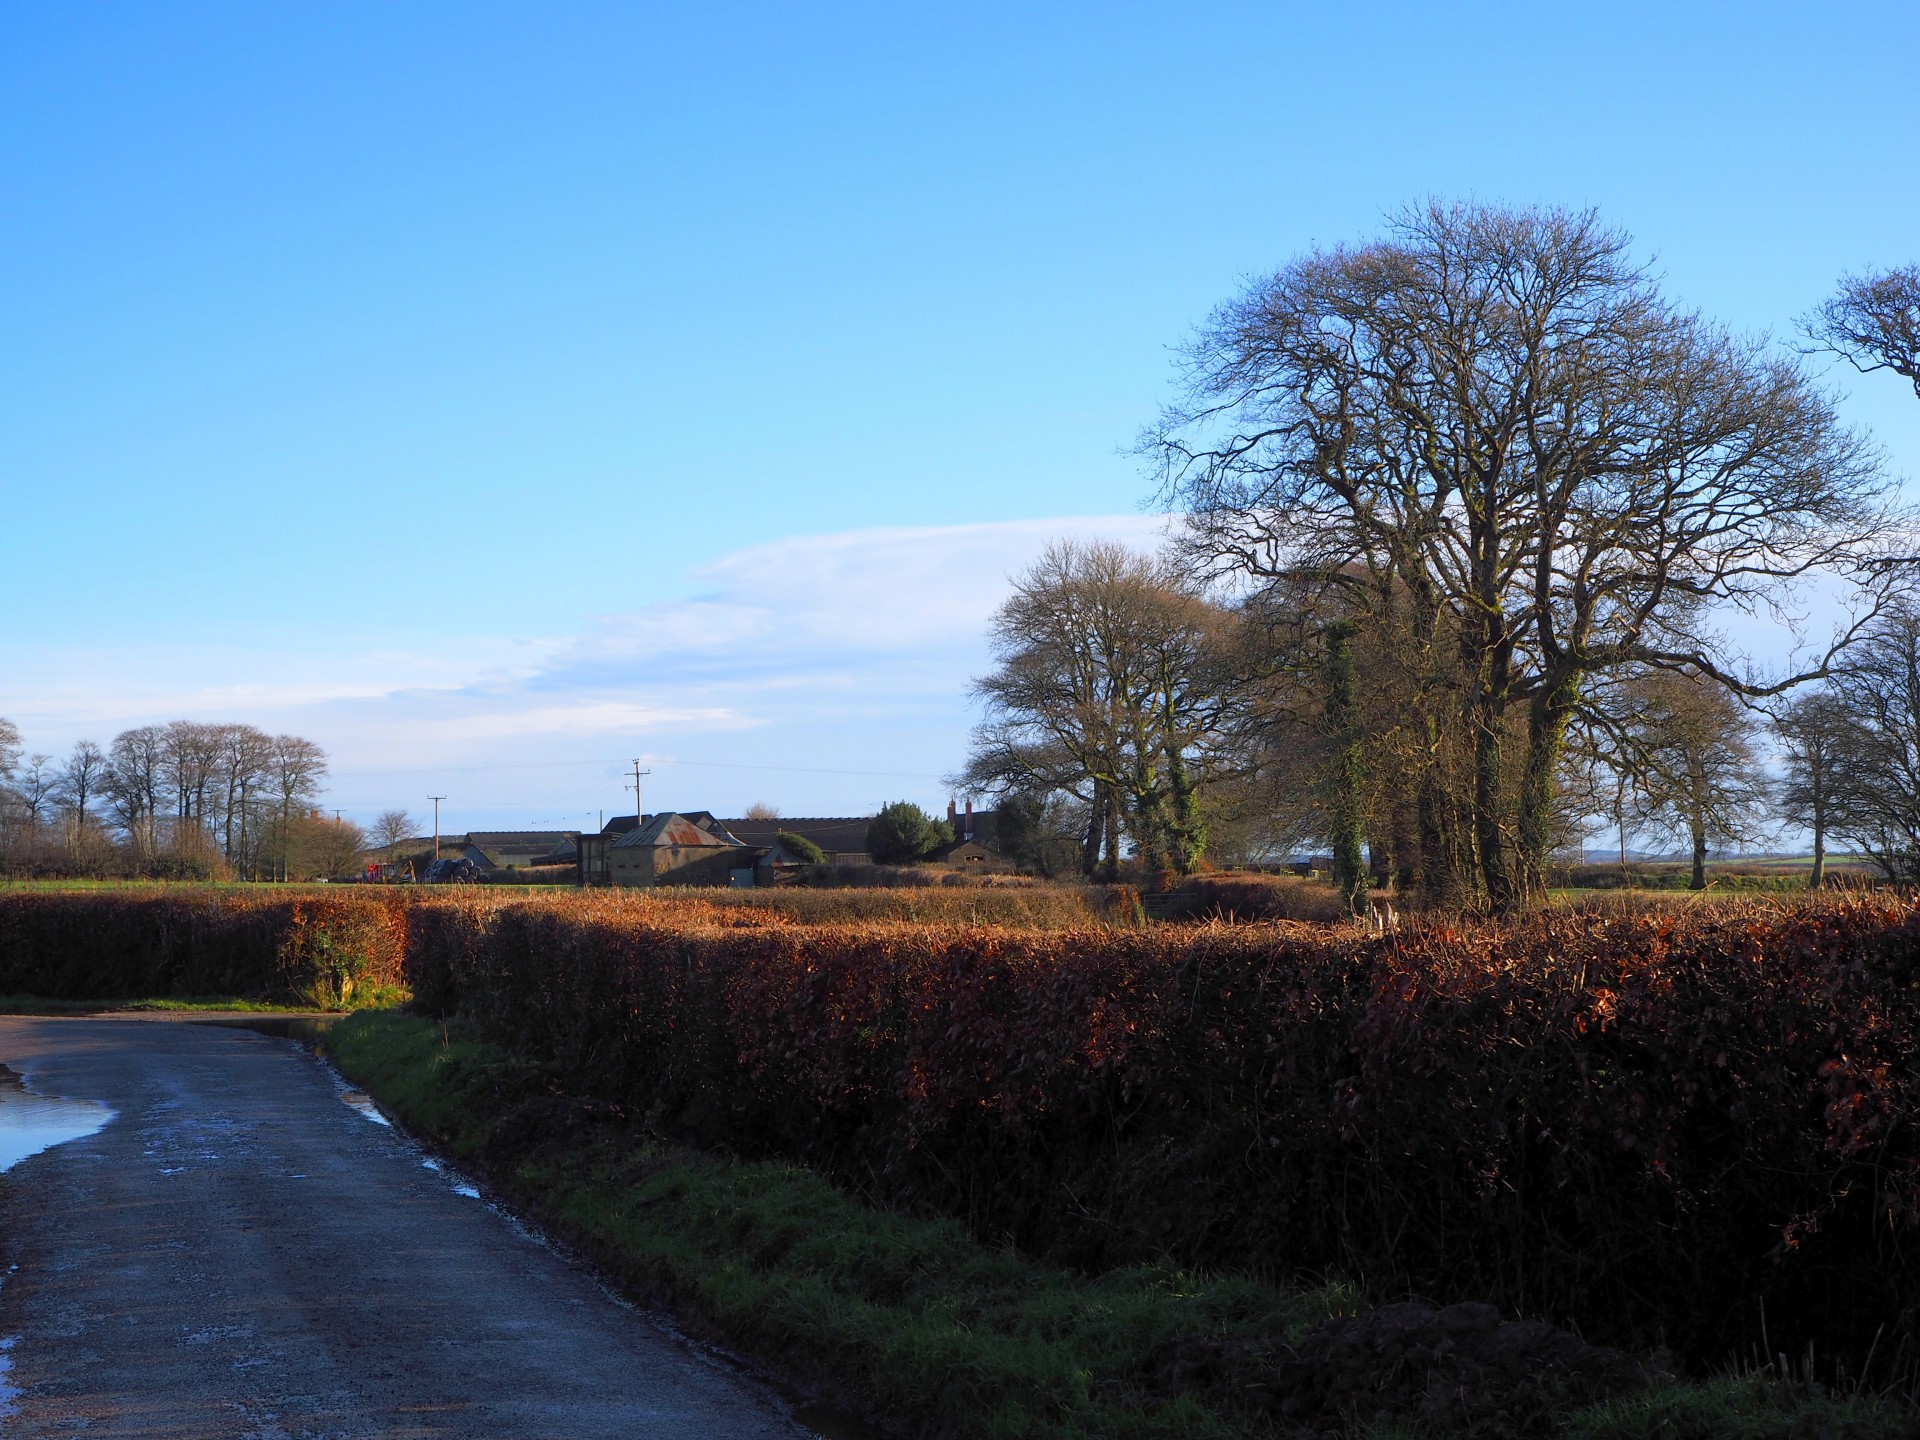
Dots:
(910, 1317)
(907, 1314)
(35, 1005)
(1738, 1408)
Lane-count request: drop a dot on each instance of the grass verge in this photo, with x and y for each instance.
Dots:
(38, 1005)
(911, 1320)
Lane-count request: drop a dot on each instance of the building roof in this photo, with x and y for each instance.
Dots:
(670, 828)
(538, 842)
(835, 834)
(627, 824)
(980, 825)
(965, 849)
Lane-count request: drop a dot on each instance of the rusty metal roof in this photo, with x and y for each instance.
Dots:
(672, 829)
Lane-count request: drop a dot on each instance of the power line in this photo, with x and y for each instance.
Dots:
(621, 764)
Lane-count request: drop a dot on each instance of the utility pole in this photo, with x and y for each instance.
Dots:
(639, 810)
(436, 823)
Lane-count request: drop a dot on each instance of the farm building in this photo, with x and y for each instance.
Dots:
(495, 850)
(964, 855)
(675, 849)
(974, 825)
(629, 849)
(842, 837)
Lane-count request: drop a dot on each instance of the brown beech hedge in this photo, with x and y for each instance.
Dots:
(1651, 1126)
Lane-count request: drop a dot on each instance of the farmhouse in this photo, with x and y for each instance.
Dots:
(976, 826)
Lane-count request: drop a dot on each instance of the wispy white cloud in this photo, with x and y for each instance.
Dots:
(847, 652)
(593, 718)
(821, 609)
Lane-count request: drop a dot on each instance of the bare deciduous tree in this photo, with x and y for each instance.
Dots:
(295, 769)
(1493, 423)
(239, 779)
(35, 782)
(1875, 753)
(1106, 689)
(1874, 322)
(1814, 736)
(392, 829)
(1694, 762)
(189, 759)
(133, 783)
(325, 846)
(82, 780)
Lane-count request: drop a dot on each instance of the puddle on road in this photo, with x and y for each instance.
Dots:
(30, 1123)
(363, 1102)
(305, 1028)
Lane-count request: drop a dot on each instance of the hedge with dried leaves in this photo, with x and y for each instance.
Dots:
(1648, 1125)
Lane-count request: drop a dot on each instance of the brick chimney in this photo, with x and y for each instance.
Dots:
(967, 834)
(952, 814)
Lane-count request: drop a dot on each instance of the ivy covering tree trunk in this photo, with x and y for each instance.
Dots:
(1346, 787)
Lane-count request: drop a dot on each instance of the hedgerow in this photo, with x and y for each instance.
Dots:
(1655, 1125)
(311, 948)
(1650, 1126)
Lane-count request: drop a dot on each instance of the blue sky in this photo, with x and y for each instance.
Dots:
(496, 392)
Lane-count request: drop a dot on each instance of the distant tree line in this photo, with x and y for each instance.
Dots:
(1465, 510)
(185, 799)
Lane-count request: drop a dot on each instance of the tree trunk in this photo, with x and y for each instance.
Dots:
(1697, 824)
(1819, 874)
(1346, 810)
(1186, 831)
(1402, 847)
(1440, 886)
(1096, 831)
(1491, 842)
(1547, 720)
(1110, 831)
(1149, 823)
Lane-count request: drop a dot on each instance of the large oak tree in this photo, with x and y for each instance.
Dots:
(1492, 423)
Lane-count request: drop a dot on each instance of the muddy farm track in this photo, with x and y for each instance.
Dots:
(239, 1253)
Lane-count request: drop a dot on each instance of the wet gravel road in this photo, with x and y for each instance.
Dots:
(239, 1253)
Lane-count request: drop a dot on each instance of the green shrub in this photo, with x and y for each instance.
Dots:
(801, 848)
(902, 833)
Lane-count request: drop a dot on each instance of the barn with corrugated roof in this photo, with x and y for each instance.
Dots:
(675, 849)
